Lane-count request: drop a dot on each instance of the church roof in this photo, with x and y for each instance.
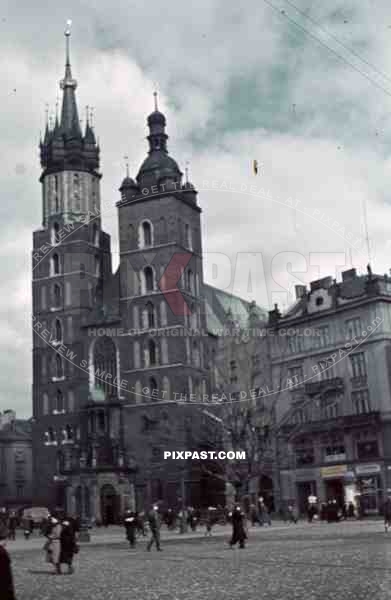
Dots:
(219, 303)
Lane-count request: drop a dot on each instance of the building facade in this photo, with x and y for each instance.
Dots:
(331, 377)
(16, 489)
(118, 357)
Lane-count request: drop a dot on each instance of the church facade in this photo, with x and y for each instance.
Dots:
(121, 360)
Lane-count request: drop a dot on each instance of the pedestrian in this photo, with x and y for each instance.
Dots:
(292, 514)
(387, 513)
(264, 513)
(154, 525)
(12, 524)
(351, 512)
(7, 591)
(53, 545)
(210, 519)
(130, 524)
(68, 545)
(238, 528)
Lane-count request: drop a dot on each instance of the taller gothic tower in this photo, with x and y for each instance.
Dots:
(71, 255)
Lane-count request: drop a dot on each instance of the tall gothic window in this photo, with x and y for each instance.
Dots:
(59, 401)
(152, 352)
(190, 281)
(152, 385)
(59, 367)
(147, 233)
(55, 232)
(105, 366)
(57, 293)
(58, 330)
(76, 190)
(148, 274)
(151, 315)
(55, 264)
(95, 235)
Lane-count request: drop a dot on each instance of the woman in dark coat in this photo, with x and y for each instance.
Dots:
(6, 580)
(238, 528)
(68, 545)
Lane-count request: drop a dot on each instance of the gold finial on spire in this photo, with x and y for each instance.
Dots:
(126, 158)
(155, 100)
(67, 34)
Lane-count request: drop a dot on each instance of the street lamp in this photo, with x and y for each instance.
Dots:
(84, 535)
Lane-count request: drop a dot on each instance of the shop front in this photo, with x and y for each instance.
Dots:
(334, 482)
(369, 487)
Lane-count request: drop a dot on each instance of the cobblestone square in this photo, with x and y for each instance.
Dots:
(320, 561)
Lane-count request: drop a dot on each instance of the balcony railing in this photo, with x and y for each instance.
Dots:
(319, 387)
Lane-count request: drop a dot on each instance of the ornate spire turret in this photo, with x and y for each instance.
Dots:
(70, 124)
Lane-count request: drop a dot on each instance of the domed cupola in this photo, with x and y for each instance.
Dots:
(158, 168)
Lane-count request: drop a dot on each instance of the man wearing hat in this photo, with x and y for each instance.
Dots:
(6, 580)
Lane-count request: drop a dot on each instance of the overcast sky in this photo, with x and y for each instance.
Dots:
(307, 94)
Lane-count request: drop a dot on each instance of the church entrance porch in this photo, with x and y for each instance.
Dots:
(109, 505)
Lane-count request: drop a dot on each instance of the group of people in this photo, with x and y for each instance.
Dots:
(260, 513)
(61, 544)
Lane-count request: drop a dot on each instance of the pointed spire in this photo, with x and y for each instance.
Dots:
(70, 124)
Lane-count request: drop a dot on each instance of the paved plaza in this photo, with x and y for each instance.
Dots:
(319, 561)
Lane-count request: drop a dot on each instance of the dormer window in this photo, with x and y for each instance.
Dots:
(319, 301)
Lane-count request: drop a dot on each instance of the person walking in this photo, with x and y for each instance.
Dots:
(210, 520)
(53, 544)
(238, 528)
(7, 591)
(12, 524)
(130, 523)
(68, 546)
(387, 513)
(154, 525)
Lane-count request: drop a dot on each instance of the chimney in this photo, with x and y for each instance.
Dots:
(325, 283)
(300, 291)
(349, 275)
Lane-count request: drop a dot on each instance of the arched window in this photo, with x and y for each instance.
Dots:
(57, 295)
(59, 367)
(58, 330)
(45, 403)
(151, 316)
(43, 297)
(59, 401)
(190, 281)
(55, 264)
(95, 234)
(55, 232)
(69, 433)
(51, 435)
(152, 352)
(147, 233)
(105, 360)
(148, 274)
(188, 240)
(166, 388)
(152, 387)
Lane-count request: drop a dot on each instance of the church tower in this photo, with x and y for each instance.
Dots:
(71, 255)
(161, 278)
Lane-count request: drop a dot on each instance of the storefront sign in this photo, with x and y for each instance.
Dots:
(365, 469)
(333, 472)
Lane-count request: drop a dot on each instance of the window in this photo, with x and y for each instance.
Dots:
(51, 435)
(55, 232)
(329, 408)
(188, 240)
(57, 296)
(353, 328)
(295, 376)
(97, 266)
(321, 337)
(333, 449)
(20, 490)
(152, 387)
(152, 352)
(359, 367)
(45, 403)
(233, 371)
(68, 433)
(95, 234)
(101, 421)
(58, 330)
(148, 274)
(59, 401)
(319, 301)
(59, 367)
(190, 281)
(150, 316)
(147, 233)
(367, 450)
(43, 297)
(360, 401)
(296, 343)
(304, 453)
(326, 369)
(55, 264)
